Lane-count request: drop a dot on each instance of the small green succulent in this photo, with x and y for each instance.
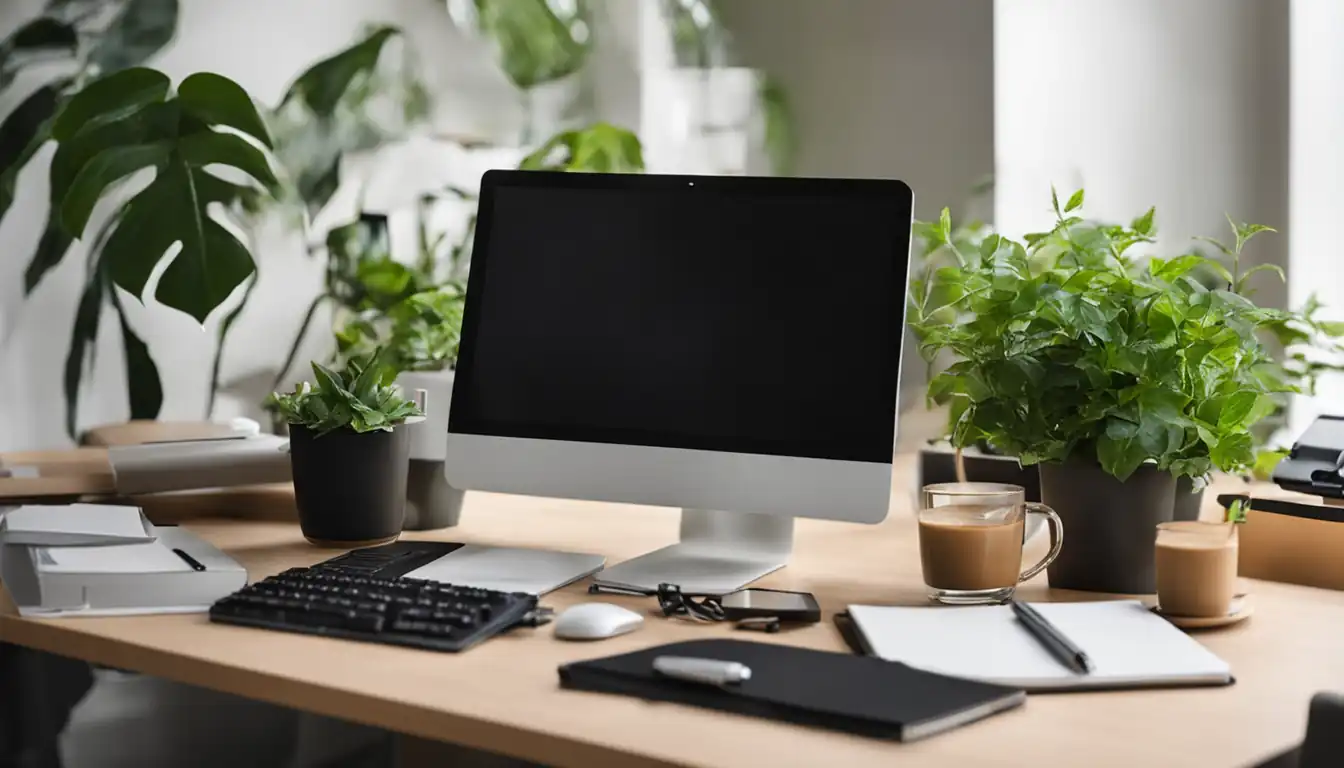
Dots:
(361, 397)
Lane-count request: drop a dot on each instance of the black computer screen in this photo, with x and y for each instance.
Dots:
(746, 315)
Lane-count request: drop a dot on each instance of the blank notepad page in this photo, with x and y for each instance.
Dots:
(1128, 644)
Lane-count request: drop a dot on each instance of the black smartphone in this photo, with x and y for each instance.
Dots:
(786, 606)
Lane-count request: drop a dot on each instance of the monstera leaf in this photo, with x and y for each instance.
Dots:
(131, 121)
(326, 113)
(120, 125)
(140, 29)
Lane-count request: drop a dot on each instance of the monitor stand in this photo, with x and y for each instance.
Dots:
(719, 552)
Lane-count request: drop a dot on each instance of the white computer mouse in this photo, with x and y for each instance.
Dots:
(596, 621)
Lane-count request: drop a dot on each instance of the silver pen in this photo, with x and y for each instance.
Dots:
(705, 671)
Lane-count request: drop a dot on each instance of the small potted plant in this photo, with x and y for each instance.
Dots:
(349, 452)
(1115, 377)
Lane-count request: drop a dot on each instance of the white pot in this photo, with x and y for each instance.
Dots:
(429, 438)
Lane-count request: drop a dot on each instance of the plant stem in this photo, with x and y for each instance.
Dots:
(298, 340)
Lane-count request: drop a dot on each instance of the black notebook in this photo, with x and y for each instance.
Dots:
(855, 694)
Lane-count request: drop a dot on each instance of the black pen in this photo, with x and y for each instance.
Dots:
(1054, 641)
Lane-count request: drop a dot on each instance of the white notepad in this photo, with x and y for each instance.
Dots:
(75, 525)
(1128, 645)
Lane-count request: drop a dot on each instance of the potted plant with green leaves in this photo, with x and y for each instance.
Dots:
(1115, 379)
(349, 452)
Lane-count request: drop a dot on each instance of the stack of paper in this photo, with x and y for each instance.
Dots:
(101, 559)
(76, 525)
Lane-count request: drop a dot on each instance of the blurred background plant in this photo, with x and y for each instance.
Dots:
(537, 43)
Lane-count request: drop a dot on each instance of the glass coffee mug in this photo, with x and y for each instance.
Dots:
(971, 537)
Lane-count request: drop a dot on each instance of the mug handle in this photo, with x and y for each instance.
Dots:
(1056, 538)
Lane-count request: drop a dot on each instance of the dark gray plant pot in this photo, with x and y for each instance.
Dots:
(431, 503)
(350, 488)
(1110, 527)
(1188, 500)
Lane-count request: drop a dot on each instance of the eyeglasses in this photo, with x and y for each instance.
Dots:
(674, 603)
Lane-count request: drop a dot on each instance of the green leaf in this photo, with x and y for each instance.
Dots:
(1233, 452)
(601, 148)
(1118, 449)
(108, 167)
(172, 210)
(1236, 409)
(141, 29)
(1170, 269)
(83, 337)
(40, 39)
(1054, 201)
(51, 248)
(156, 122)
(1075, 201)
(780, 143)
(1246, 231)
(1144, 224)
(22, 133)
(538, 41)
(143, 387)
(322, 85)
(1265, 464)
(217, 100)
(109, 99)
(209, 148)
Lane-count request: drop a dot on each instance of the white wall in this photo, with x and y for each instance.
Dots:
(882, 88)
(473, 99)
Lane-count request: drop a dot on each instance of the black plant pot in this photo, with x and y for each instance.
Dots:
(1188, 500)
(1110, 527)
(350, 488)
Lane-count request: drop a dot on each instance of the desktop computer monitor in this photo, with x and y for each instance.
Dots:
(726, 345)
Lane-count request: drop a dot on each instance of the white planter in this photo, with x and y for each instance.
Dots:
(429, 438)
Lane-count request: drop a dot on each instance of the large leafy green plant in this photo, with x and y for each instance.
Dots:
(91, 38)
(1065, 348)
(361, 397)
(133, 121)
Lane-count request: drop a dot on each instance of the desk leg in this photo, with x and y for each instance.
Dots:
(40, 692)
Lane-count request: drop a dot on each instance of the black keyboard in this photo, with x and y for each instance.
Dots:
(341, 599)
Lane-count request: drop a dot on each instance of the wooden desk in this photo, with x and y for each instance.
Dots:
(503, 696)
